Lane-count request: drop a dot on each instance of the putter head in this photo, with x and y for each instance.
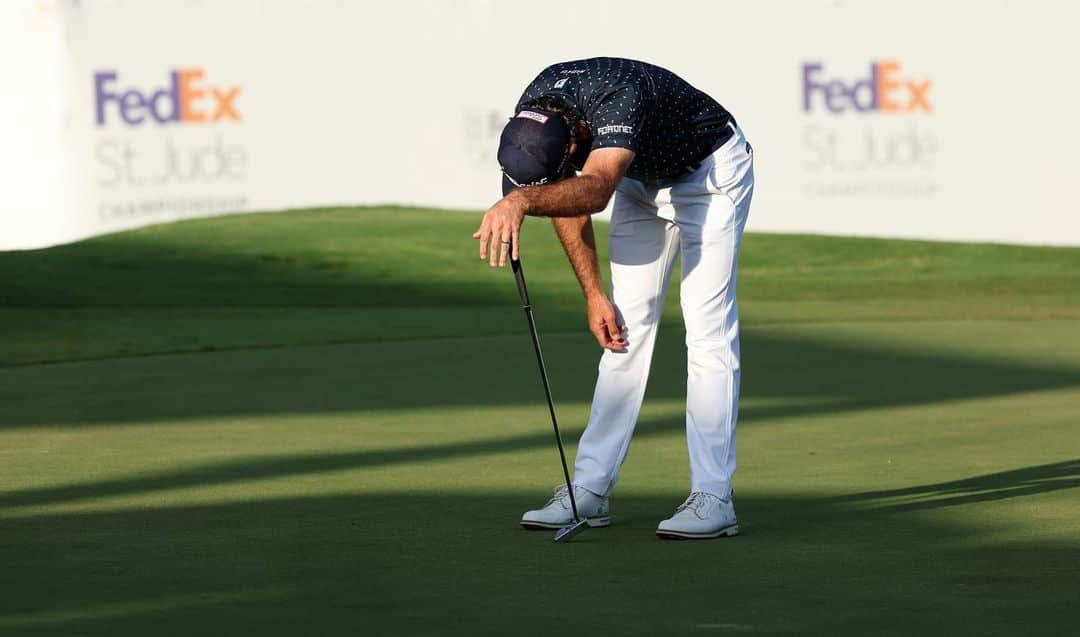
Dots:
(567, 533)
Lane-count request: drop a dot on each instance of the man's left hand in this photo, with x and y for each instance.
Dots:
(500, 230)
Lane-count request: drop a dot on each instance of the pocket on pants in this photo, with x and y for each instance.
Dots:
(731, 167)
(723, 176)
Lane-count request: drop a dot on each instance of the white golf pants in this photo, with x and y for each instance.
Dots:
(703, 216)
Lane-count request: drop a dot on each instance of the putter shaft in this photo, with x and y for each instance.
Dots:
(523, 292)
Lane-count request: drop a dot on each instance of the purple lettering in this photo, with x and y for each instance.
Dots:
(808, 70)
(131, 105)
(837, 97)
(101, 95)
(170, 95)
(867, 88)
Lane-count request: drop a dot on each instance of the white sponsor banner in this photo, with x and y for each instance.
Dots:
(918, 119)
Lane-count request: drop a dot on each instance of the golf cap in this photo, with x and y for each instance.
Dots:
(534, 149)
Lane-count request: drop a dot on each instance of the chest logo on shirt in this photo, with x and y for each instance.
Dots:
(561, 83)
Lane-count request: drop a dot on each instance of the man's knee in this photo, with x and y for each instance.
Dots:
(712, 353)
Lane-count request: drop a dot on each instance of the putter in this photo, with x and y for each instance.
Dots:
(566, 533)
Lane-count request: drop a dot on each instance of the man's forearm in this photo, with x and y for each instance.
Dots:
(573, 197)
(576, 235)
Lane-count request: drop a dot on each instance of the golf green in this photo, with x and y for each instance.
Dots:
(329, 422)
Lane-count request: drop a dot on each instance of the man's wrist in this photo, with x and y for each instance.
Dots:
(518, 198)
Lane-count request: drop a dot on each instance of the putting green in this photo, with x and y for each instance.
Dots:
(323, 422)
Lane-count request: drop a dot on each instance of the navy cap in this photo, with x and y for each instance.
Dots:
(534, 149)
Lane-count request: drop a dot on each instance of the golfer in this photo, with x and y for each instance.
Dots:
(682, 175)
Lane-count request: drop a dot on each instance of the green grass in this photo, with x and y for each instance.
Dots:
(328, 422)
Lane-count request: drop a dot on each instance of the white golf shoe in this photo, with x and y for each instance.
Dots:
(557, 513)
(702, 516)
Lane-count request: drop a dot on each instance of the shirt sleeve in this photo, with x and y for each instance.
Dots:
(618, 115)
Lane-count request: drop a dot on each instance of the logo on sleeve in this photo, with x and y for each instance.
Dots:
(611, 129)
(561, 83)
(536, 117)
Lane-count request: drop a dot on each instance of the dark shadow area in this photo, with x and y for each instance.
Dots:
(283, 465)
(784, 377)
(1027, 481)
(442, 563)
(332, 258)
(301, 260)
(987, 488)
(788, 375)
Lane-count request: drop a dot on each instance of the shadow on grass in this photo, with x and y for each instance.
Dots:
(986, 488)
(341, 258)
(787, 374)
(1028, 481)
(442, 563)
(788, 378)
(279, 466)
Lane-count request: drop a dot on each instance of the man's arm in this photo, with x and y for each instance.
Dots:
(573, 197)
(576, 235)
(582, 195)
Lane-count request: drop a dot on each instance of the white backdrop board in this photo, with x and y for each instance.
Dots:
(917, 119)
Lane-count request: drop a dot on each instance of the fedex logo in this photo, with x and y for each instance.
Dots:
(885, 90)
(186, 99)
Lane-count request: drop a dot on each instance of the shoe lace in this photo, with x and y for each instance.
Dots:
(559, 495)
(694, 502)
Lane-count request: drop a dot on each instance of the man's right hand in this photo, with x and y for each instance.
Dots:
(605, 324)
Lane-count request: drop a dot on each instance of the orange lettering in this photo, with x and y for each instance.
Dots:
(885, 85)
(188, 94)
(918, 96)
(226, 106)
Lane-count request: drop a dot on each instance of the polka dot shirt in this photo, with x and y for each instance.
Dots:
(669, 124)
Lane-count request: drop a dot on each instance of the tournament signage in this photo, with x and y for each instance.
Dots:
(868, 135)
(181, 102)
(165, 150)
